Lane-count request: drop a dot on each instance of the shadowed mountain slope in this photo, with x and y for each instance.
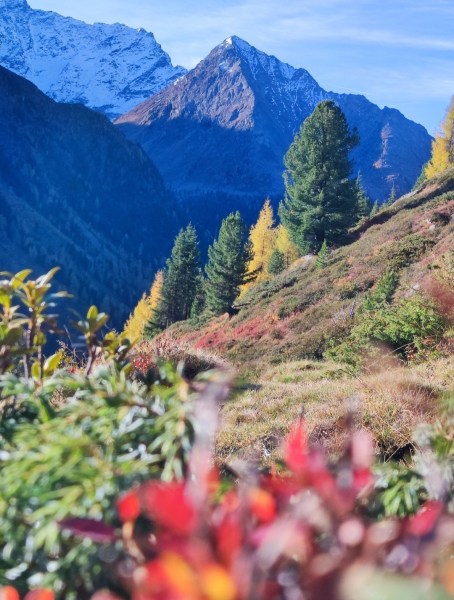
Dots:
(74, 192)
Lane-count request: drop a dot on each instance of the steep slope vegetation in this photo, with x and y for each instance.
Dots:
(292, 320)
(74, 192)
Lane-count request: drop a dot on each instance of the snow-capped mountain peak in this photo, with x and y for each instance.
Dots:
(110, 68)
(224, 127)
(14, 4)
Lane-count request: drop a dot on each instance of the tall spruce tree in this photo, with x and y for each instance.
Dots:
(320, 199)
(181, 281)
(227, 268)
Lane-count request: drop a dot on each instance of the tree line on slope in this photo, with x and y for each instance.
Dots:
(321, 203)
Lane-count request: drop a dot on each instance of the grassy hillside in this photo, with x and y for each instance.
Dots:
(279, 342)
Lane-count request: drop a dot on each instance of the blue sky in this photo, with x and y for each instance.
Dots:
(398, 53)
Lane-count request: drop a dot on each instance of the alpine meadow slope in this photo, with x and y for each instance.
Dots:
(74, 192)
(219, 133)
(109, 68)
(317, 338)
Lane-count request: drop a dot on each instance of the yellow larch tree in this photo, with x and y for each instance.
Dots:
(263, 238)
(285, 245)
(143, 311)
(156, 289)
(443, 146)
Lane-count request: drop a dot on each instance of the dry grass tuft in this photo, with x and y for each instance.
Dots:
(389, 404)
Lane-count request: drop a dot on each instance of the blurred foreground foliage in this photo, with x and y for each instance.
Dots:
(74, 436)
(108, 488)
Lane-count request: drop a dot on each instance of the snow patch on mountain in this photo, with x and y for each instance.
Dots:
(110, 68)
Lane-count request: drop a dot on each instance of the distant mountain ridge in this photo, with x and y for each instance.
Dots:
(75, 193)
(110, 68)
(219, 133)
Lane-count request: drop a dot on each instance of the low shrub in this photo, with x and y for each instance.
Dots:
(71, 458)
(407, 250)
(304, 533)
(410, 328)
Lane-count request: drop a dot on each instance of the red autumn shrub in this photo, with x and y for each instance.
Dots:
(301, 533)
(298, 534)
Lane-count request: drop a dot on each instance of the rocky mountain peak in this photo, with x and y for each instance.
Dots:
(222, 130)
(110, 68)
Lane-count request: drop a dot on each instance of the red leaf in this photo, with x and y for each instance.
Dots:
(295, 449)
(262, 505)
(40, 595)
(9, 593)
(424, 521)
(169, 506)
(230, 502)
(128, 507)
(89, 528)
(362, 478)
(229, 539)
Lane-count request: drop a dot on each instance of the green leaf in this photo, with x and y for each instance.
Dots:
(101, 320)
(44, 279)
(92, 312)
(5, 299)
(18, 278)
(13, 336)
(52, 362)
(36, 370)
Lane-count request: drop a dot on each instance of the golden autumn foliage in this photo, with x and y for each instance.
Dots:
(443, 146)
(143, 311)
(263, 238)
(156, 288)
(285, 245)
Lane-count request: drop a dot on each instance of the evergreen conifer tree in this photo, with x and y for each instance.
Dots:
(198, 305)
(391, 199)
(422, 177)
(320, 200)
(375, 208)
(322, 256)
(364, 205)
(227, 267)
(181, 279)
(277, 262)
(393, 196)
